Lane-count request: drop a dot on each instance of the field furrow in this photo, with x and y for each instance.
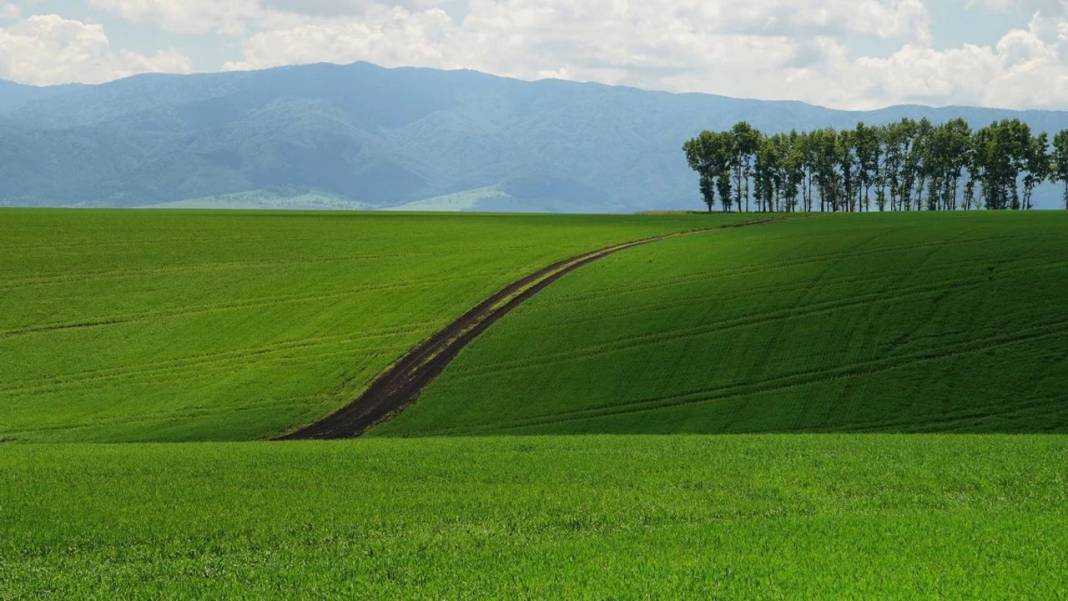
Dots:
(878, 324)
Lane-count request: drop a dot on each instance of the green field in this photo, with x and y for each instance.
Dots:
(145, 325)
(894, 323)
(149, 327)
(704, 517)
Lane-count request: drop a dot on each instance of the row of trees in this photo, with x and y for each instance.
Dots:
(904, 166)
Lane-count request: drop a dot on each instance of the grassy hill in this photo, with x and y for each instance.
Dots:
(202, 326)
(233, 326)
(894, 323)
(207, 326)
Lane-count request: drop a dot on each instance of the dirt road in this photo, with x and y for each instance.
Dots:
(400, 384)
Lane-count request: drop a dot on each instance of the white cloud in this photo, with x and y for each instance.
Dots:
(725, 47)
(756, 49)
(187, 16)
(884, 18)
(333, 8)
(1029, 6)
(9, 11)
(393, 36)
(806, 49)
(595, 26)
(1024, 69)
(47, 49)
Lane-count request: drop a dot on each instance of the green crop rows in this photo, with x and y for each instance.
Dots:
(950, 323)
(227, 326)
(592, 463)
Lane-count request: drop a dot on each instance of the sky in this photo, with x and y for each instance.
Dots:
(851, 54)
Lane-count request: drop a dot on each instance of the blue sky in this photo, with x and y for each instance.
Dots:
(840, 53)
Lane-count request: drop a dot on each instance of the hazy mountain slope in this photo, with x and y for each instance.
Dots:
(14, 95)
(382, 137)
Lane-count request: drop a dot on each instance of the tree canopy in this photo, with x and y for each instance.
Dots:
(903, 166)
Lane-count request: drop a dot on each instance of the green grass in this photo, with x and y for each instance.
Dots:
(894, 323)
(703, 517)
(146, 325)
(138, 326)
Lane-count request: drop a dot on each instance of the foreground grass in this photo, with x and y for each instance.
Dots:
(163, 325)
(828, 517)
(899, 323)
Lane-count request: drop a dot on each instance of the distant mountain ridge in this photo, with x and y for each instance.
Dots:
(363, 136)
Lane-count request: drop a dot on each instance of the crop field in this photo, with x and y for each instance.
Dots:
(144, 325)
(772, 411)
(896, 323)
(728, 517)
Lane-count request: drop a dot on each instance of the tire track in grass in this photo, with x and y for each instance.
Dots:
(400, 384)
(204, 309)
(65, 278)
(792, 380)
(175, 416)
(716, 327)
(227, 365)
(679, 301)
(213, 358)
(787, 265)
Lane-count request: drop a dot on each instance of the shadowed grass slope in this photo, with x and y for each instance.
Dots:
(236, 325)
(894, 323)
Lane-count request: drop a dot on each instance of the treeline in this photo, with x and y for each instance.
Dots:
(904, 166)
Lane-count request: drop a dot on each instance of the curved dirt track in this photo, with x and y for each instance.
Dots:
(400, 384)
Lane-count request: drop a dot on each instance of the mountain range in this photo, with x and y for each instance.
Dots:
(364, 136)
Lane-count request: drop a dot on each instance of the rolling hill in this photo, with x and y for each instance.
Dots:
(149, 326)
(892, 323)
(161, 325)
(242, 325)
(361, 136)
